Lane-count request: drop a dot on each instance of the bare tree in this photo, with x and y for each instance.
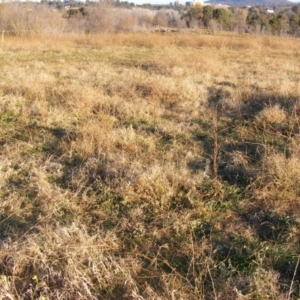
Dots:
(102, 17)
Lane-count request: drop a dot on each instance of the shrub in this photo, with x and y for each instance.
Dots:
(23, 18)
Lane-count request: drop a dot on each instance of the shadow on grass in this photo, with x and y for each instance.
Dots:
(250, 105)
(241, 142)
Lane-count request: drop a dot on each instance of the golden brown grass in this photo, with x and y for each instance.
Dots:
(107, 146)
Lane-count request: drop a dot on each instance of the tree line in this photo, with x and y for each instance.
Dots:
(279, 21)
(117, 16)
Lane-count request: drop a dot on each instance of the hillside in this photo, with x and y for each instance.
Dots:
(149, 166)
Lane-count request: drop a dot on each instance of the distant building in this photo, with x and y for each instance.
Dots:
(270, 11)
(222, 6)
(194, 2)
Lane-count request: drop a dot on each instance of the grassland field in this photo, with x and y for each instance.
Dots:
(149, 166)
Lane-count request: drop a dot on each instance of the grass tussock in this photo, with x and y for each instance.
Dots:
(149, 167)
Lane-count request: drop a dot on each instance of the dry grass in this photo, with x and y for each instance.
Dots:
(107, 145)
